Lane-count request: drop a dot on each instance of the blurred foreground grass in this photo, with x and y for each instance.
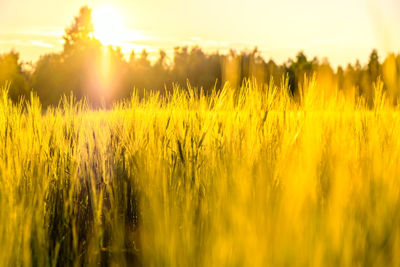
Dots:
(244, 177)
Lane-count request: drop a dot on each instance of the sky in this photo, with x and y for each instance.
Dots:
(341, 30)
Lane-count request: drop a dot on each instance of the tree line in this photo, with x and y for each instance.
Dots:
(101, 74)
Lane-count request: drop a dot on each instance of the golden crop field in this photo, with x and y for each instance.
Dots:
(242, 177)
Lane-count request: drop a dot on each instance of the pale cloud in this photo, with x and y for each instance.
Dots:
(26, 43)
(196, 38)
(41, 44)
(47, 31)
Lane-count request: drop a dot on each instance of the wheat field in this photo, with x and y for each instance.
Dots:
(245, 176)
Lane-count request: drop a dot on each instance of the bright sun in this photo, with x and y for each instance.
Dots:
(108, 26)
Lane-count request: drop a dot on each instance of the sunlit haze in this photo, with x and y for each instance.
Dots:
(341, 30)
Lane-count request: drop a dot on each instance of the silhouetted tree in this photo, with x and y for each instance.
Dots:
(12, 75)
(297, 69)
(374, 67)
(391, 76)
(80, 33)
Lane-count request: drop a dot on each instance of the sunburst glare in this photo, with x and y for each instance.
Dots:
(108, 26)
